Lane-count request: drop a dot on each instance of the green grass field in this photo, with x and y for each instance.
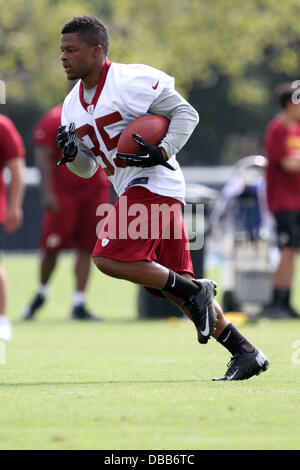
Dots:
(132, 384)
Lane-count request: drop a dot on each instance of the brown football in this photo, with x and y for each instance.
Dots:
(151, 127)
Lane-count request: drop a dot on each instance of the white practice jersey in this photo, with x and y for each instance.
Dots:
(124, 93)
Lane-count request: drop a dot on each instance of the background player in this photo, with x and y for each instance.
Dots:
(69, 219)
(107, 98)
(12, 155)
(282, 147)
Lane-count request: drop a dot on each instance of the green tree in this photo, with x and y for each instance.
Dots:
(29, 49)
(201, 41)
(230, 51)
(193, 40)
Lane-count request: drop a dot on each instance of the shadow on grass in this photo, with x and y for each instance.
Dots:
(65, 321)
(106, 382)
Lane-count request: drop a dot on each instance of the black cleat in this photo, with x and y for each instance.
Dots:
(279, 312)
(80, 313)
(293, 313)
(242, 366)
(201, 307)
(29, 311)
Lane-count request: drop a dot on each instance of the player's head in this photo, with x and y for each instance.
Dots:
(84, 45)
(283, 94)
(287, 97)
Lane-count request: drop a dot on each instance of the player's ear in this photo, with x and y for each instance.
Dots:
(97, 51)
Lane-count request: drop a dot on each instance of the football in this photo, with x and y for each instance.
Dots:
(151, 127)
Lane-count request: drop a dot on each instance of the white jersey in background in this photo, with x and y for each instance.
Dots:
(124, 93)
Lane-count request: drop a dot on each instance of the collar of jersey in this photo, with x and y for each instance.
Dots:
(100, 86)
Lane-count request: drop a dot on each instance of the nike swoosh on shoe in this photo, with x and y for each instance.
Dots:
(205, 332)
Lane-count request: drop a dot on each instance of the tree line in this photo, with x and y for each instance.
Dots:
(226, 57)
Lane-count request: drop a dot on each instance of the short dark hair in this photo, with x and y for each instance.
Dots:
(91, 30)
(284, 93)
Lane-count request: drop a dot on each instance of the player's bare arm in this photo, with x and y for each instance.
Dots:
(43, 157)
(291, 164)
(14, 213)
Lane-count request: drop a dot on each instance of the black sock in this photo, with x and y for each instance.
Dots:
(234, 341)
(180, 286)
(281, 297)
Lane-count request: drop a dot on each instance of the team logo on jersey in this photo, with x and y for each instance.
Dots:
(40, 134)
(90, 108)
(105, 242)
(53, 240)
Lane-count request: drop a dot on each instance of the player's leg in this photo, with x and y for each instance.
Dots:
(47, 266)
(111, 256)
(288, 227)
(149, 274)
(81, 274)
(56, 234)
(225, 333)
(155, 276)
(182, 305)
(142, 272)
(221, 323)
(198, 294)
(247, 360)
(5, 325)
(3, 291)
(132, 257)
(86, 236)
(283, 280)
(82, 270)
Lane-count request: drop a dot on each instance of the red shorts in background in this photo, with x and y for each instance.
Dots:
(163, 237)
(74, 226)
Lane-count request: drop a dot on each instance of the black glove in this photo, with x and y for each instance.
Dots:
(67, 142)
(149, 155)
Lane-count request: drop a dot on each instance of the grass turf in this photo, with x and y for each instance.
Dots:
(131, 384)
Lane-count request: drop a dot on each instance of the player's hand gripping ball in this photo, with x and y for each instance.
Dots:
(138, 143)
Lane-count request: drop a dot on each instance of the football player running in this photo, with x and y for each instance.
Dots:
(106, 99)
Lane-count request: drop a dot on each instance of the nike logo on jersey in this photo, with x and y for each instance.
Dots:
(205, 332)
(156, 85)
